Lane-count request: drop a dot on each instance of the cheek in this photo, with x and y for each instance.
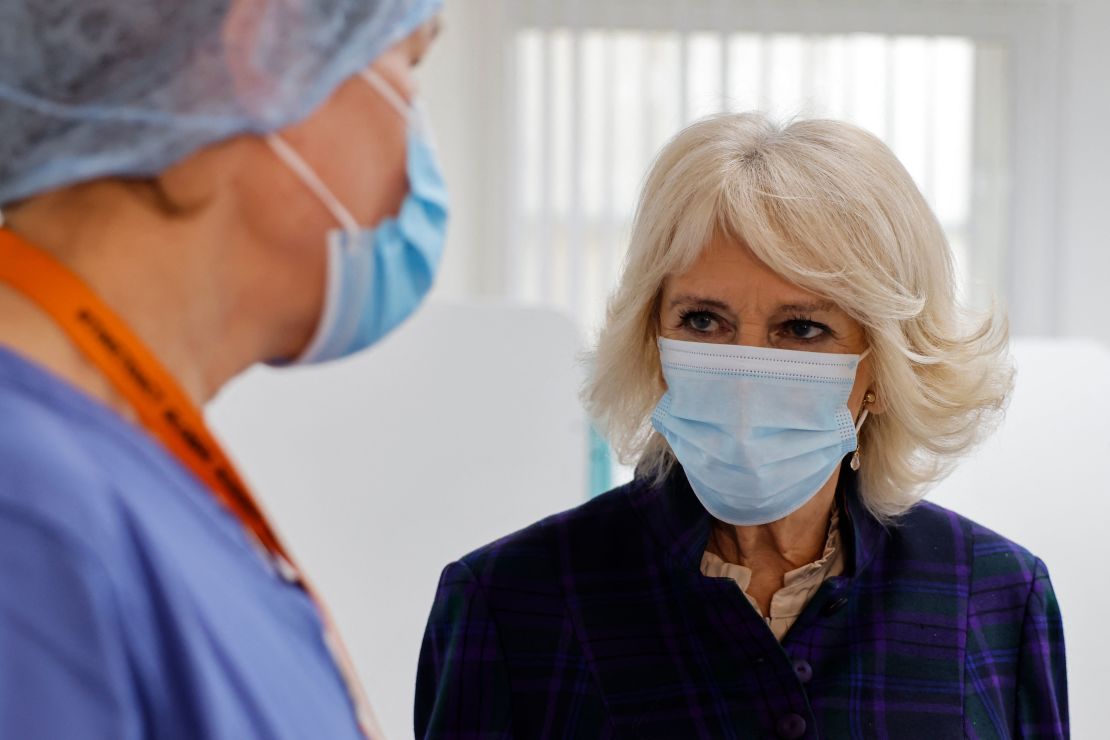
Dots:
(864, 381)
(367, 165)
(384, 176)
(276, 210)
(375, 165)
(356, 143)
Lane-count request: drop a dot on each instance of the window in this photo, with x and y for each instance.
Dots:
(593, 105)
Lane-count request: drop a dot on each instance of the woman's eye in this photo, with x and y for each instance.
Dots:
(804, 330)
(700, 321)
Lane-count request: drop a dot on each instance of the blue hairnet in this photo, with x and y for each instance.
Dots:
(97, 88)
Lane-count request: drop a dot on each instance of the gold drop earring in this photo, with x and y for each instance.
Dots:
(868, 399)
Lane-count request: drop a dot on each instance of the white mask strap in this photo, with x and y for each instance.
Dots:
(859, 424)
(313, 182)
(376, 81)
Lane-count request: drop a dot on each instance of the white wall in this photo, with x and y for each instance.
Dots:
(1084, 202)
(461, 83)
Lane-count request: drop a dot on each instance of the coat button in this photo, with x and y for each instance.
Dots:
(834, 606)
(791, 727)
(803, 670)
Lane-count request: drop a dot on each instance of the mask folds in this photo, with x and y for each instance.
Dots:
(758, 431)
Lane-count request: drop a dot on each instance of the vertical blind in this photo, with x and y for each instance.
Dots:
(591, 107)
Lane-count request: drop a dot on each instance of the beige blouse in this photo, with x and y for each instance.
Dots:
(799, 585)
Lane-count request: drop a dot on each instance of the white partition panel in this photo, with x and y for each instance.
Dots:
(1042, 480)
(458, 429)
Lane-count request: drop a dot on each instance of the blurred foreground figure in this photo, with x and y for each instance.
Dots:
(188, 188)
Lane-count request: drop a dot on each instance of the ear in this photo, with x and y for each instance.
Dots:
(876, 406)
(194, 182)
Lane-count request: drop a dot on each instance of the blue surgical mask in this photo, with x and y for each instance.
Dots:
(378, 276)
(758, 431)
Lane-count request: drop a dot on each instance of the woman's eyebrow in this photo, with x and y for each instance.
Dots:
(813, 307)
(701, 301)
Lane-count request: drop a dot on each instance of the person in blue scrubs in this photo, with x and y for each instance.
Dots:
(238, 181)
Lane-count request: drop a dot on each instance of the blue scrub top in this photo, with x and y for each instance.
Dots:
(132, 605)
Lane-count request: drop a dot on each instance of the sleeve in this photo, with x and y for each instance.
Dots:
(462, 683)
(63, 666)
(1042, 684)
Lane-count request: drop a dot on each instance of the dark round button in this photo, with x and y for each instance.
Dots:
(791, 726)
(803, 670)
(834, 606)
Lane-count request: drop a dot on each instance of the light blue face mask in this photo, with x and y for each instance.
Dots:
(758, 431)
(377, 277)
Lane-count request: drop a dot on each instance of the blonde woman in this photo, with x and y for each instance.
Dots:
(786, 360)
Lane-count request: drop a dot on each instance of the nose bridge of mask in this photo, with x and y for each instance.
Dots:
(308, 175)
(762, 361)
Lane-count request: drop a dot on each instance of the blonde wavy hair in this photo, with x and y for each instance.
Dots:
(828, 207)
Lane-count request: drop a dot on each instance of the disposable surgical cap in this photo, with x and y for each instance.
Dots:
(125, 88)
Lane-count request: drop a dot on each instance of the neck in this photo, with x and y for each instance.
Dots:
(160, 276)
(772, 550)
(783, 545)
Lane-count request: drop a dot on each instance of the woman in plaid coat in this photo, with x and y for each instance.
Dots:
(786, 360)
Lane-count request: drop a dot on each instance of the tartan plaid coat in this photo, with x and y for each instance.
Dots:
(597, 623)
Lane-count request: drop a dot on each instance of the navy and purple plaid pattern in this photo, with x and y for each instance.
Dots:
(596, 623)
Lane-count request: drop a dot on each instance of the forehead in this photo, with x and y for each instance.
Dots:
(728, 271)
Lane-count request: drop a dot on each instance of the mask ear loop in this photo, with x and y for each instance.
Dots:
(411, 112)
(387, 91)
(855, 463)
(312, 181)
(862, 418)
(868, 398)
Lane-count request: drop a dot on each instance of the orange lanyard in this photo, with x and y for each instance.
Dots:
(163, 409)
